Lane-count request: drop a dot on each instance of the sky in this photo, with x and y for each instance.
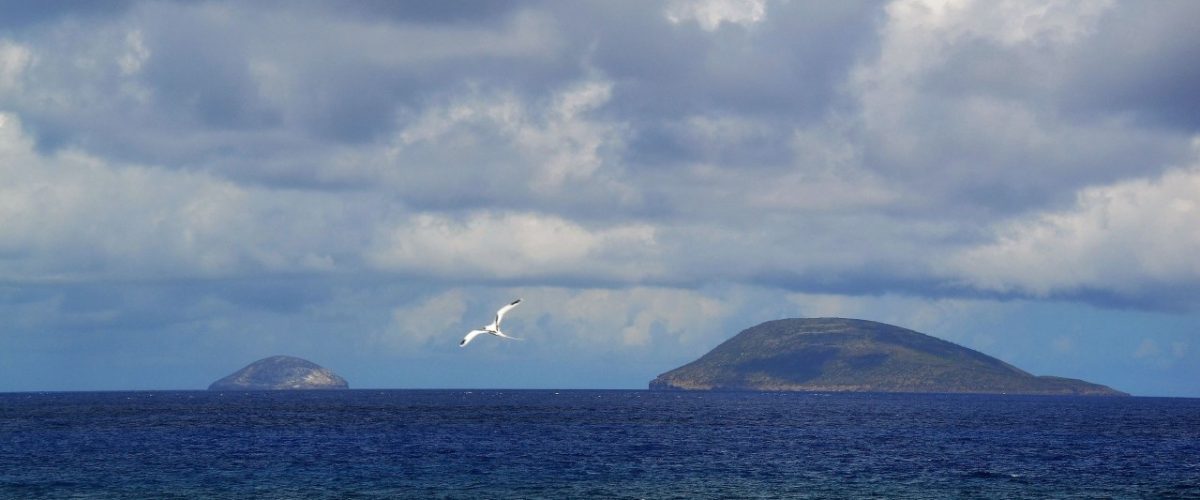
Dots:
(187, 187)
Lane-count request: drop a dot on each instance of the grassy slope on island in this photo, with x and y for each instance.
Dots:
(849, 355)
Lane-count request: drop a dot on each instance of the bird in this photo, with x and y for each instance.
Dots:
(493, 328)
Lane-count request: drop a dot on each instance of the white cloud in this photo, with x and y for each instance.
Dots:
(558, 138)
(429, 319)
(828, 177)
(75, 73)
(74, 216)
(568, 143)
(1130, 237)
(1063, 344)
(966, 96)
(565, 323)
(14, 58)
(709, 14)
(628, 318)
(499, 145)
(1152, 352)
(919, 33)
(135, 54)
(1147, 349)
(488, 246)
(1008, 22)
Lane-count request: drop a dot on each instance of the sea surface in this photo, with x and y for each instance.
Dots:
(593, 444)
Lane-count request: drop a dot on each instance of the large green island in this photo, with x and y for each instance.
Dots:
(851, 355)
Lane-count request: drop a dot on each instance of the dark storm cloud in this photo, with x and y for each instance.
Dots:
(234, 75)
(784, 71)
(1008, 121)
(1141, 61)
(787, 66)
(201, 79)
(242, 74)
(1134, 63)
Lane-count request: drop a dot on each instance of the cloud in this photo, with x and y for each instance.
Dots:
(14, 59)
(1148, 348)
(1064, 345)
(75, 216)
(489, 247)
(971, 114)
(566, 323)
(709, 14)
(634, 317)
(135, 55)
(1134, 66)
(1150, 351)
(1133, 239)
(431, 318)
(511, 152)
(201, 85)
(856, 148)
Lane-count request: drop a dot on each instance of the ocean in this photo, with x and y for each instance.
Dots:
(593, 444)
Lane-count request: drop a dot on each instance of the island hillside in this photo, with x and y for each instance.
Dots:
(851, 355)
(280, 373)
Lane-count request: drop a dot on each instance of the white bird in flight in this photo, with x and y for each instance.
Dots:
(493, 328)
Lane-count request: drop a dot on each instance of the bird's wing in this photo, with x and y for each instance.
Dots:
(501, 334)
(471, 336)
(504, 310)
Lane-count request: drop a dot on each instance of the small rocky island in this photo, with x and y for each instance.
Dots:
(280, 373)
(851, 355)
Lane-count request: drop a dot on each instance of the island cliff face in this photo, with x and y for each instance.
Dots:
(280, 373)
(850, 355)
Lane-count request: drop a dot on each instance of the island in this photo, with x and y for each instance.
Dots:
(280, 373)
(853, 355)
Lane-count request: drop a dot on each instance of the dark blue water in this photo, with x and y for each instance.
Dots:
(607, 444)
